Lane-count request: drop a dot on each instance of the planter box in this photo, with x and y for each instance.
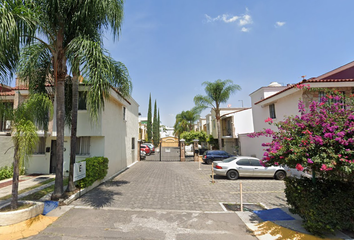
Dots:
(12, 217)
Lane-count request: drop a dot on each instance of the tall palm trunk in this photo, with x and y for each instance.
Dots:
(217, 116)
(75, 93)
(15, 178)
(60, 110)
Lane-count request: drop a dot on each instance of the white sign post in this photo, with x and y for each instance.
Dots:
(79, 170)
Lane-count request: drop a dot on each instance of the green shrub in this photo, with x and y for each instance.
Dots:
(96, 169)
(325, 206)
(6, 172)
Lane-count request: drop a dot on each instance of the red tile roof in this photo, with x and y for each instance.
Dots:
(310, 80)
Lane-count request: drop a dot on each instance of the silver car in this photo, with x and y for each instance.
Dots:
(242, 166)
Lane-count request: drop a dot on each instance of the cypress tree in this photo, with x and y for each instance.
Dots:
(155, 127)
(149, 122)
(158, 122)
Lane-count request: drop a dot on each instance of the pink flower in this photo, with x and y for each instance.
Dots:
(309, 160)
(269, 120)
(299, 167)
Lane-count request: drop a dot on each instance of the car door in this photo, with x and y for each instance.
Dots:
(244, 167)
(223, 155)
(258, 169)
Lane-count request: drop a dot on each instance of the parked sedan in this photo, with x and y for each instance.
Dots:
(214, 155)
(142, 155)
(241, 166)
(145, 148)
(151, 146)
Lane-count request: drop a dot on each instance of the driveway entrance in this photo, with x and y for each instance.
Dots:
(164, 200)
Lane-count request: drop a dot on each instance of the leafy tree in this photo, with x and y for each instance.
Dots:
(155, 127)
(60, 28)
(217, 92)
(24, 132)
(149, 122)
(191, 135)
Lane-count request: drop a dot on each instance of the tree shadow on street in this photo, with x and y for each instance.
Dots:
(104, 195)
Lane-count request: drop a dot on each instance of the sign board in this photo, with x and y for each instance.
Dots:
(79, 170)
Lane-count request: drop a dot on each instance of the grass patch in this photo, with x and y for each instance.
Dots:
(39, 194)
(20, 206)
(28, 189)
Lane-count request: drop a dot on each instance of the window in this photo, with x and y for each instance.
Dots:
(124, 114)
(133, 143)
(255, 162)
(243, 162)
(40, 148)
(272, 111)
(82, 101)
(83, 146)
(5, 124)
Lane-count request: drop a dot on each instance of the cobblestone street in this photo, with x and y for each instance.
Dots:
(180, 186)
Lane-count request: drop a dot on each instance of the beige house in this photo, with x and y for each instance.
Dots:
(278, 102)
(114, 135)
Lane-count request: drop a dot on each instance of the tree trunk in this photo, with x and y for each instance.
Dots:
(75, 93)
(15, 178)
(217, 116)
(60, 75)
(219, 132)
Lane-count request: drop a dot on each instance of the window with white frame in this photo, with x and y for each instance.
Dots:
(133, 143)
(83, 146)
(40, 148)
(272, 111)
(82, 101)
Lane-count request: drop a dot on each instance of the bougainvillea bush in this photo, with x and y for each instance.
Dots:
(320, 140)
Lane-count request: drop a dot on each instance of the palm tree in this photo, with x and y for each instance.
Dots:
(217, 92)
(185, 121)
(57, 24)
(24, 135)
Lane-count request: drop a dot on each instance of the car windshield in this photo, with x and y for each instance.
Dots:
(229, 159)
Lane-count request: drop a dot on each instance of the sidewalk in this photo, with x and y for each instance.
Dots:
(282, 229)
(25, 181)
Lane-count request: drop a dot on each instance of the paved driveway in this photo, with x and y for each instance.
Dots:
(164, 200)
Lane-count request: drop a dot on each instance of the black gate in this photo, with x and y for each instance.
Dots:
(169, 154)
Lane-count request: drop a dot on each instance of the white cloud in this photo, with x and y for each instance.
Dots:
(241, 20)
(246, 19)
(279, 24)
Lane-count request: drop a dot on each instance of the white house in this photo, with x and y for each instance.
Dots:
(234, 121)
(114, 135)
(278, 102)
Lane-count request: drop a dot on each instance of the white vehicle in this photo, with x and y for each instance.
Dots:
(243, 166)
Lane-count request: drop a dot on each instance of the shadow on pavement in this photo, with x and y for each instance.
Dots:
(99, 199)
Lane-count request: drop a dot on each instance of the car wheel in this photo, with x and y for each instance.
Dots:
(280, 175)
(209, 161)
(232, 174)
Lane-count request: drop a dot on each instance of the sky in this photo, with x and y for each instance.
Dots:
(171, 47)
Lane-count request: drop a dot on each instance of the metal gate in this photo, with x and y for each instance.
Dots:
(170, 154)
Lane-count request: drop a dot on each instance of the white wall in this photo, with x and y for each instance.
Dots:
(6, 151)
(119, 133)
(243, 122)
(252, 146)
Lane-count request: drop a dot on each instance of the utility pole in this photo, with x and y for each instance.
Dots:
(241, 102)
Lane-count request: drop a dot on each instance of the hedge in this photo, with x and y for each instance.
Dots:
(325, 205)
(96, 169)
